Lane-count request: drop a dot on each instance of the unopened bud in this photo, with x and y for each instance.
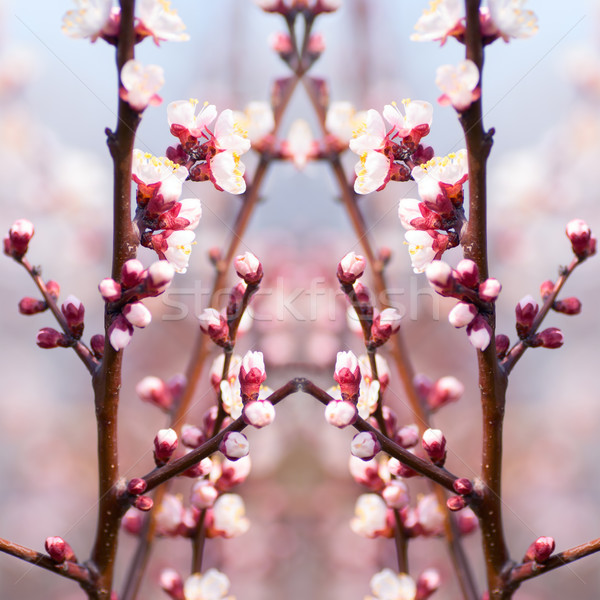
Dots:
(462, 314)
(53, 288)
(395, 467)
(110, 289)
(384, 325)
(540, 550)
(462, 486)
(468, 273)
(456, 503)
(434, 443)
(131, 273)
(171, 582)
(407, 436)
(502, 345)
(467, 521)
(160, 275)
(551, 338)
(396, 494)
(582, 241)
(258, 413)
(74, 312)
(132, 521)
(447, 389)
(248, 267)
(365, 445)
(341, 413)
(137, 486)
(489, 289)
(252, 375)
(165, 444)
(204, 494)
(347, 374)
(350, 268)
(155, 391)
(235, 445)
(192, 436)
(427, 583)
(137, 314)
(215, 325)
(120, 333)
(59, 550)
(19, 235)
(525, 311)
(32, 306)
(546, 288)
(440, 277)
(50, 338)
(479, 333)
(568, 306)
(143, 503)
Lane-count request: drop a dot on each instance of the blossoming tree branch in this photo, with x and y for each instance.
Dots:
(388, 455)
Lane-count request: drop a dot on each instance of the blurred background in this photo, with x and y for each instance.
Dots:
(57, 95)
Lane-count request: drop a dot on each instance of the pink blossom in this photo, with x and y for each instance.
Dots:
(459, 84)
(140, 84)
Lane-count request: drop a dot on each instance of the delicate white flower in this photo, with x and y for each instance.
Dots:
(420, 248)
(370, 516)
(257, 119)
(88, 19)
(458, 84)
(408, 210)
(418, 113)
(140, 84)
(158, 19)
(511, 20)
(229, 516)
(449, 170)
(191, 209)
(342, 121)
(368, 397)
(231, 397)
(369, 134)
(383, 369)
(228, 172)
(148, 169)
(442, 19)
(179, 249)
(182, 114)
(300, 143)
(229, 135)
(387, 585)
(212, 585)
(371, 172)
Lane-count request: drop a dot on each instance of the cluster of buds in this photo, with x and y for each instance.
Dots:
(475, 297)
(199, 586)
(498, 20)
(153, 18)
(527, 310)
(434, 223)
(16, 243)
(439, 393)
(257, 410)
(208, 154)
(73, 312)
(124, 298)
(391, 154)
(164, 222)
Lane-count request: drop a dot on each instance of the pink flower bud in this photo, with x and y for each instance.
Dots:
(365, 445)
(143, 503)
(462, 314)
(281, 43)
(456, 503)
(209, 419)
(489, 290)
(132, 273)
(171, 582)
(546, 288)
(440, 276)
(363, 294)
(396, 494)
(132, 521)
(160, 275)
(200, 469)
(549, 338)
(347, 374)
(59, 550)
(110, 289)
(120, 333)
(447, 389)
(192, 436)
(423, 385)
(258, 413)
(252, 374)
(74, 312)
(50, 338)
(479, 333)
(502, 345)
(568, 306)
(165, 444)
(248, 267)
(215, 325)
(468, 273)
(540, 550)
(137, 486)
(525, 311)
(19, 235)
(235, 299)
(427, 583)
(32, 306)
(434, 443)
(155, 391)
(384, 325)
(462, 486)
(137, 314)
(582, 241)
(407, 436)
(340, 413)
(204, 494)
(235, 445)
(390, 418)
(316, 44)
(350, 268)
(397, 468)
(467, 521)
(53, 289)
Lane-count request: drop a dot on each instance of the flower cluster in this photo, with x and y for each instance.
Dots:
(209, 155)
(391, 154)
(164, 222)
(95, 19)
(504, 19)
(124, 297)
(434, 222)
(210, 585)
(475, 297)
